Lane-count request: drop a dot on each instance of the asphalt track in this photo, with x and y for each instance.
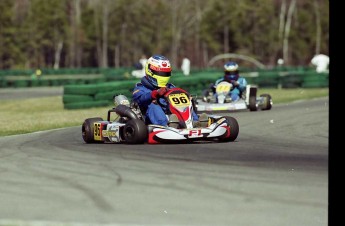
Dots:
(275, 173)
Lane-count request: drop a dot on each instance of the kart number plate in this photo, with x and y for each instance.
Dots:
(223, 87)
(97, 131)
(179, 100)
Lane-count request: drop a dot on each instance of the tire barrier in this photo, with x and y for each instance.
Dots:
(82, 96)
(312, 80)
(60, 77)
(101, 94)
(18, 81)
(270, 78)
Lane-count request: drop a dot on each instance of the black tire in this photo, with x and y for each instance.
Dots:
(194, 105)
(135, 132)
(252, 103)
(87, 129)
(252, 99)
(205, 94)
(212, 88)
(267, 102)
(234, 129)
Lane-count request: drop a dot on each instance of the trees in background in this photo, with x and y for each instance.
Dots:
(115, 33)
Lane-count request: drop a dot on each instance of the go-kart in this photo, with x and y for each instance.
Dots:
(129, 124)
(248, 99)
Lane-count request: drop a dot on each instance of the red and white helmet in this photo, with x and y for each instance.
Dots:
(158, 70)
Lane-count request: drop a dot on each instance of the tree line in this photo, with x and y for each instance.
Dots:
(116, 33)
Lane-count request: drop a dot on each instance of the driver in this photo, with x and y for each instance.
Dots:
(231, 74)
(153, 86)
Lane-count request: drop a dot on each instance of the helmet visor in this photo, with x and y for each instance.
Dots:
(162, 73)
(166, 72)
(231, 75)
(231, 72)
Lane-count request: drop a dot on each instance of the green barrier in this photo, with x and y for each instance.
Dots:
(314, 80)
(291, 80)
(79, 76)
(81, 89)
(104, 96)
(267, 79)
(78, 94)
(93, 89)
(94, 85)
(2, 82)
(48, 78)
(71, 98)
(106, 91)
(44, 82)
(195, 85)
(109, 95)
(34, 83)
(86, 104)
(21, 83)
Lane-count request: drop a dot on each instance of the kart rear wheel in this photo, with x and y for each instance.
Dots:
(267, 101)
(252, 99)
(87, 129)
(135, 132)
(252, 103)
(234, 130)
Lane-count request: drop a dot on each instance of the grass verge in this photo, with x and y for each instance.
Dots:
(36, 114)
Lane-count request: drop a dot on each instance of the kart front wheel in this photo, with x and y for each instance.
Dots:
(87, 129)
(205, 95)
(266, 102)
(135, 132)
(234, 130)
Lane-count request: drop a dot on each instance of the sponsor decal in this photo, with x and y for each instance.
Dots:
(195, 133)
(112, 133)
(109, 133)
(221, 120)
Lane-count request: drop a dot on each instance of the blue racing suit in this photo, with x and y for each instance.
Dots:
(154, 113)
(236, 91)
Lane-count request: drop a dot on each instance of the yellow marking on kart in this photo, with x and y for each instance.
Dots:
(221, 120)
(179, 100)
(97, 131)
(219, 108)
(109, 133)
(223, 87)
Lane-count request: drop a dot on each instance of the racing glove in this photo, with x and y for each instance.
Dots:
(235, 83)
(158, 92)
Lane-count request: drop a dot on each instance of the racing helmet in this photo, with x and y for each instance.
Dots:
(231, 71)
(158, 71)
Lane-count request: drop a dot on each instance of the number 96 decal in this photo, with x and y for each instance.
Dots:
(179, 99)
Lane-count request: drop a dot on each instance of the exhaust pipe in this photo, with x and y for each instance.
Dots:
(125, 111)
